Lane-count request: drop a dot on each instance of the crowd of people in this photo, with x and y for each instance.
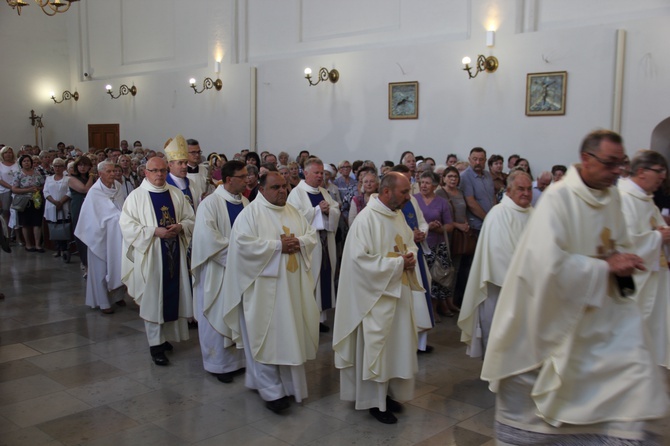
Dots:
(560, 282)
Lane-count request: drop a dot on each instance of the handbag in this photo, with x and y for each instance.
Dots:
(60, 230)
(445, 276)
(20, 202)
(463, 243)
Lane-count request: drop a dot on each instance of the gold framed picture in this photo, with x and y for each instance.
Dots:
(545, 93)
(404, 100)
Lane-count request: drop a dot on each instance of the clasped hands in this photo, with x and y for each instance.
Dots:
(170, 231)
(325, 207)
(289, 244)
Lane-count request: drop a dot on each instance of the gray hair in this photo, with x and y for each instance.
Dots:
(311, 161)
(516, 173)
(102, 164)
(433, 177)
(645, 159)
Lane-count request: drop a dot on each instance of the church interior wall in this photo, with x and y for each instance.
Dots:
(158, 46)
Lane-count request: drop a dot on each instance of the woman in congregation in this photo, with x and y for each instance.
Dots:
(370, 185)
(499, 177)
(451, 179)
(523, 164)
(80, 182)
(8, 169)
(127, 181)
(293, 174)
(29, 182)
(437, 213)
(57, 206)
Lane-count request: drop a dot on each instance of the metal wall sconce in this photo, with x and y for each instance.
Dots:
(207, 84)
(66, 96)
(123, 90)
(332, 75)
(49, 7)
(488, 64)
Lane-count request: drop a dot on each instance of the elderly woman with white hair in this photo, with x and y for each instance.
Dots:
(57, 196)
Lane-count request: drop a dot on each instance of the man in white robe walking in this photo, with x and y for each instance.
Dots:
(177, 159)
(99, 229)
(568, 355)
(157, 223)
(375, 335)
(650, 237)
(211, 238)
(498, 238)
(323, 213)
(269, 306)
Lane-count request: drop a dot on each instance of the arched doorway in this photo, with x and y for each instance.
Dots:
(660, 138)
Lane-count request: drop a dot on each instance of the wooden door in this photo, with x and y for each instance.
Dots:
(103, 136)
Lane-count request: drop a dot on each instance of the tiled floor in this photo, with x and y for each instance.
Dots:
(70, 375)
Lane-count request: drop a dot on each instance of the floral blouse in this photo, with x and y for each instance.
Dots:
(23, 181)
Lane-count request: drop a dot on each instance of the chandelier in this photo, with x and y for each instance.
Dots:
(49, 7)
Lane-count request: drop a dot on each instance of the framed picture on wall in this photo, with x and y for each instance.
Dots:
(545, 93)
(404, 100)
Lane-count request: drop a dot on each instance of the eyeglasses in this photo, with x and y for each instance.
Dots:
(345, 167)
(658, 171)
(163, 171)
(239, 176)
(608, 164)
(199, 152)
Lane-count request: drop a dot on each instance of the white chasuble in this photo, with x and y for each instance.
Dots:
(274, 290)
(653, 285)
(559, 312)
(142, 257)
(498, 239)
(374, 295)
(299, 198)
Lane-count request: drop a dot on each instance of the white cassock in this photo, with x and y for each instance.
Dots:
(567, 354)
(375, 337)
(299, 198)
(653, 285)
(199, 182)
(269, 306)
(142, 265)
(498, 238)
(98, 228)
(209, 252)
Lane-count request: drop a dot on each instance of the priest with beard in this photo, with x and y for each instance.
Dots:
(157, 223)
(375, 335)
(211, 239)
(268, 292)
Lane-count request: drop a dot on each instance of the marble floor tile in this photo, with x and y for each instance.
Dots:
(43, 408)
(100, 393)
(384, 435)
(247, 436)
(451, 408)
(86, 425)
(7, 426)
(299, 425)
(16, 351)
(59, 342)
(27, 388)
(143, 435)
(202, 422)
(64, 359)
(456, 436)
(83, 374)
(153, 406)
(28, 436)
(481, 422)
(18, 369)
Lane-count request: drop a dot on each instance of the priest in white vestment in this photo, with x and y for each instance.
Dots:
(157, 223)
(323, 213)
(209, 255)
(498, 239)
(99, 229)
(268, 293)
(650, 237)
(197, 171)
(375, 336)
(568, 354)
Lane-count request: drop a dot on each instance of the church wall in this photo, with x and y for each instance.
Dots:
(159, 45)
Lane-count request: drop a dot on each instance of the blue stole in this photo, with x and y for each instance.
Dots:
(186, 192)
(326, 270)
(413, 223)
(233, 211)
(165, 216)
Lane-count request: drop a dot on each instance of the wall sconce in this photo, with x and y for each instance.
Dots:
(66, 96)
(332, 75)
(123, 90)
(207, 84)
(488, 64)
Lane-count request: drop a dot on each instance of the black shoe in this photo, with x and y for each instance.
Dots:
(121, 303)
(226, 378)
(240, 371)
(277, 406)
(160, 358)
(193, 325)
(383, 417)
(323, 328)
(429, 349)
(392, 405)
(167, 347)
(4, 241)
